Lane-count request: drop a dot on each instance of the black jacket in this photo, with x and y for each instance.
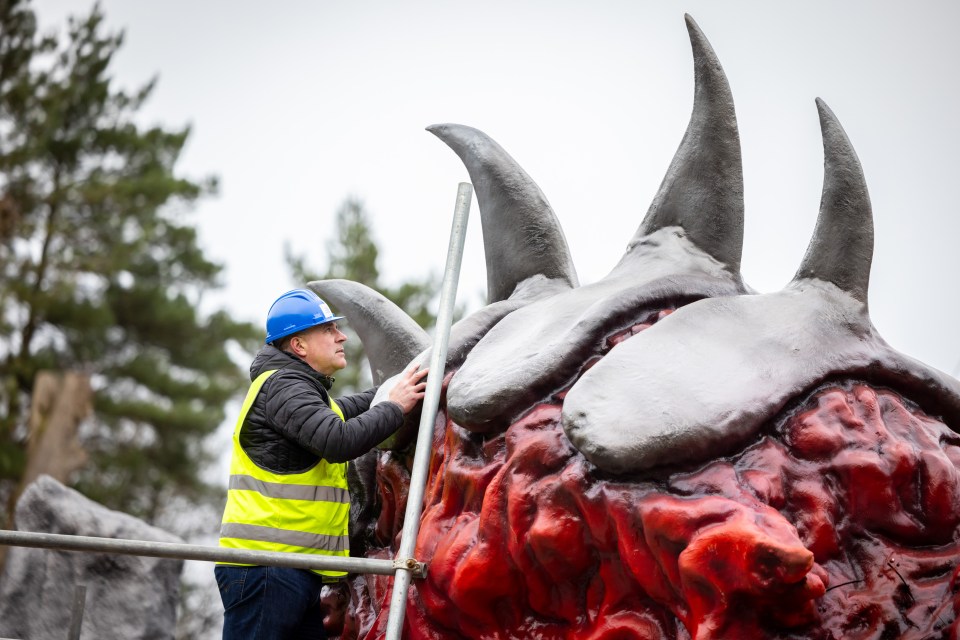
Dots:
(290, 425)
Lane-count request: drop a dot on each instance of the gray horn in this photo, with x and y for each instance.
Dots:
(841, 249)
(521, 234)
(703, 188)
(391, 339)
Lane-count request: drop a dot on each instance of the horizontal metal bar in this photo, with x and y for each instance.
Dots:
(194, 552)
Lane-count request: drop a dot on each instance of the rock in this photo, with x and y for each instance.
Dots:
(128, 597)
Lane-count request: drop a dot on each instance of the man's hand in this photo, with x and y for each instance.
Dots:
(409, 389)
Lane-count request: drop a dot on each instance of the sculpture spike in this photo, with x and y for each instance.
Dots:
(841, 249)
(391, 339)
(521, 235)
(702, 191)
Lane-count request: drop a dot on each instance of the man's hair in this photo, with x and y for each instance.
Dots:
(284, 343)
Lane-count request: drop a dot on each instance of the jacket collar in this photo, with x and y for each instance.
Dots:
(269, 357)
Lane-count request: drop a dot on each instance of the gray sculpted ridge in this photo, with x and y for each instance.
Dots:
(704, 379)
(722, 368)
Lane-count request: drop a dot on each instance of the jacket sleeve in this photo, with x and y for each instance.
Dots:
(298, 411)
(355, 404)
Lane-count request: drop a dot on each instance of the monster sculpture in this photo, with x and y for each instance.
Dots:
(666, 453)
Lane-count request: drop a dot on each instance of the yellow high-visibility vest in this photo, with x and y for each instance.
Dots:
(306, 512)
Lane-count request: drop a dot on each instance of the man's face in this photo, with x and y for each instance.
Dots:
(321, 347)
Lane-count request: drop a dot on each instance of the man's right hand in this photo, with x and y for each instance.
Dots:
(409, 389)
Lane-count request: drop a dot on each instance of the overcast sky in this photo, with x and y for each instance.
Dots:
(296, 105)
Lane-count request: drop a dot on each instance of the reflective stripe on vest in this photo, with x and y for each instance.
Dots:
(307, 512)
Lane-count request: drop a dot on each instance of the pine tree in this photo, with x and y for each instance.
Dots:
(102, 272)
(352, 255)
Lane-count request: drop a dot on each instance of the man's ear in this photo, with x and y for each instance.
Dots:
(296, 345)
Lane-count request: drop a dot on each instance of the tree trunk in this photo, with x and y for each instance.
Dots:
(60, 402)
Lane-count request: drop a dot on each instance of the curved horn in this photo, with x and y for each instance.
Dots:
(521, 234)
(703, 189)
(841, 249)
(390, 337)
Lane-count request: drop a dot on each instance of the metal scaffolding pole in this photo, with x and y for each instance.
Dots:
(194, 552)
(406, 563)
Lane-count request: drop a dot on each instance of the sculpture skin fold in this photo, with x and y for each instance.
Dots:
(747, 357)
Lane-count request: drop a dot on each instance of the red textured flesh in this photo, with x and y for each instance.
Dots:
(842, 522)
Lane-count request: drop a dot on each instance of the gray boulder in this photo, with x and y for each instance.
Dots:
(127, 597)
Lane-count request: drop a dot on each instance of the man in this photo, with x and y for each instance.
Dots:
(288, 486)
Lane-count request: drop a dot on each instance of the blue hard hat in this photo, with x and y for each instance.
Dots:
(295, 311)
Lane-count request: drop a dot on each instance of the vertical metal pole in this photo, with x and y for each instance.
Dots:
(431, 402)
(76, 616)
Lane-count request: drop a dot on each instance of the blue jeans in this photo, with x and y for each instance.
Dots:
(270, 603)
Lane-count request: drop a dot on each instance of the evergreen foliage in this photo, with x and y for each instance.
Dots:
(352, 255)
(102, 271)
